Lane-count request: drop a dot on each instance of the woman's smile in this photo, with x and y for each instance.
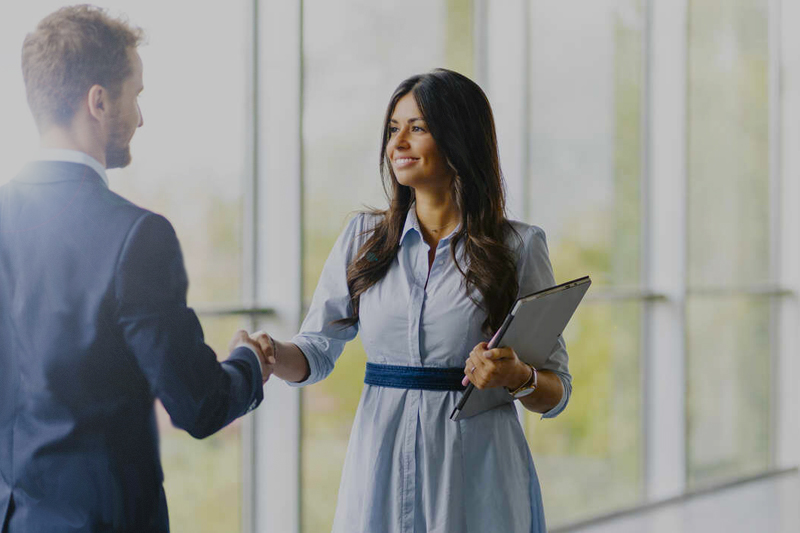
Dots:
(403, 162)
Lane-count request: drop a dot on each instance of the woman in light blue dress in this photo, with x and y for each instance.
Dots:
(426, 282)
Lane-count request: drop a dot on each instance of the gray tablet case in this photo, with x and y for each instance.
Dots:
(532, 329)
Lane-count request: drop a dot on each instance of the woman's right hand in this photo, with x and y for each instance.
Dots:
(265, 359)
(289, 362)
(266, 343)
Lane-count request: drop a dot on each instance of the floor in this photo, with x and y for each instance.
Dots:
(766, 505)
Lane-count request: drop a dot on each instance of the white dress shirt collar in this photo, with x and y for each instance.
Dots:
(72, 156)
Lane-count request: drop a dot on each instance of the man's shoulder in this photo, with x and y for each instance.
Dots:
(114, 210)
(89, 208)
(120, 206)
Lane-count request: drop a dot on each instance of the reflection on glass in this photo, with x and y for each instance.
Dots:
(729, 388)
(584, 183)
(589, 458)
(355, 54)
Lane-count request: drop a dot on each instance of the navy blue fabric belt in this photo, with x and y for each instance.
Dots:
(414, 377)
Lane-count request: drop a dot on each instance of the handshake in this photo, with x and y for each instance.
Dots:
(264, 347)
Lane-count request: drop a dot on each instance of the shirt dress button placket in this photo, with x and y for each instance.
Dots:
(413, 399)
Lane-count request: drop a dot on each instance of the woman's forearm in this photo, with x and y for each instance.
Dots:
(290, 362)
(547, 394)
(501, 367)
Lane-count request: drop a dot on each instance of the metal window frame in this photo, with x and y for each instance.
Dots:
(775, 230)
(664, 347)
(784, 94)
(274, 258)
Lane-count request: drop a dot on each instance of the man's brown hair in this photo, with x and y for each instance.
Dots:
(70, 51)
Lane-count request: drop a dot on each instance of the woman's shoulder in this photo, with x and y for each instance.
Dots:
(369, 219)
(358, 227)
(523, 235)
(359, 222)
(533, 259)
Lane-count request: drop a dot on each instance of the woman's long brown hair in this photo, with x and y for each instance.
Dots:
(460, 120)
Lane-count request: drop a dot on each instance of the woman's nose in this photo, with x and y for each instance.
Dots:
(401, 139)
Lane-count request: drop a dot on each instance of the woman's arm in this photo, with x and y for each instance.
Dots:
(547, 394)
(501, 367)
(309, 356)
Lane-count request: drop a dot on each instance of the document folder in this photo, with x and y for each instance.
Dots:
(531, 328)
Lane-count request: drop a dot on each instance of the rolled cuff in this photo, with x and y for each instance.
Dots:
(319, 366)
(566, 383)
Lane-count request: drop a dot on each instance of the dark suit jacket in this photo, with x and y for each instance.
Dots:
(93, 328)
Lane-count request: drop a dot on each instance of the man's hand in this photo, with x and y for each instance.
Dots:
(242, 338)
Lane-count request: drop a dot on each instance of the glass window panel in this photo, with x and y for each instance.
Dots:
(354, 55)
(188, 164)
(729, 419)
(584, 176)
(589, 458)
(728, 143)
(585, 192)
(203, 478)
(729, 343)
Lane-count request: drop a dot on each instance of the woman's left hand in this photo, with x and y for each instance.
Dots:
(499, 367)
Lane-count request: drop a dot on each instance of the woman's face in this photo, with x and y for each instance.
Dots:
(416, 160)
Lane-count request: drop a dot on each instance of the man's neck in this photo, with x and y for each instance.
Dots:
(66, 139)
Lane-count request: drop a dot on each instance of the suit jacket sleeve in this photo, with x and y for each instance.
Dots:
(200, 394)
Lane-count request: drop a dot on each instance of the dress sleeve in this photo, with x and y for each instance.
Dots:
(535, 274)
(321, 341)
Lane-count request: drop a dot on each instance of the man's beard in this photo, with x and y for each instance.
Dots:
(118, 149)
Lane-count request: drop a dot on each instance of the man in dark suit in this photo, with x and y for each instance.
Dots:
(93, 318)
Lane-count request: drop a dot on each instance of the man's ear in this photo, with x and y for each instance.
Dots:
(98, 101)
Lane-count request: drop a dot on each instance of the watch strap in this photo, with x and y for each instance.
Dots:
(530, 383)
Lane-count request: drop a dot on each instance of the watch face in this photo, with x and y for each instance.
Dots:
(525, 392)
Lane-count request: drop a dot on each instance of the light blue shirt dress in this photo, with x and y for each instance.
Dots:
(409, 468)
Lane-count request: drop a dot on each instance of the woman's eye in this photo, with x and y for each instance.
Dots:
(393, 129)
(417, 128)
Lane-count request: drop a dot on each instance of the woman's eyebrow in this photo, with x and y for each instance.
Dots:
(412, 119)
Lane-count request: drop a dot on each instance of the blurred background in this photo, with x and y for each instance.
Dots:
(653, 141)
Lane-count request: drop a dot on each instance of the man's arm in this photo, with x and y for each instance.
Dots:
(200, 394)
